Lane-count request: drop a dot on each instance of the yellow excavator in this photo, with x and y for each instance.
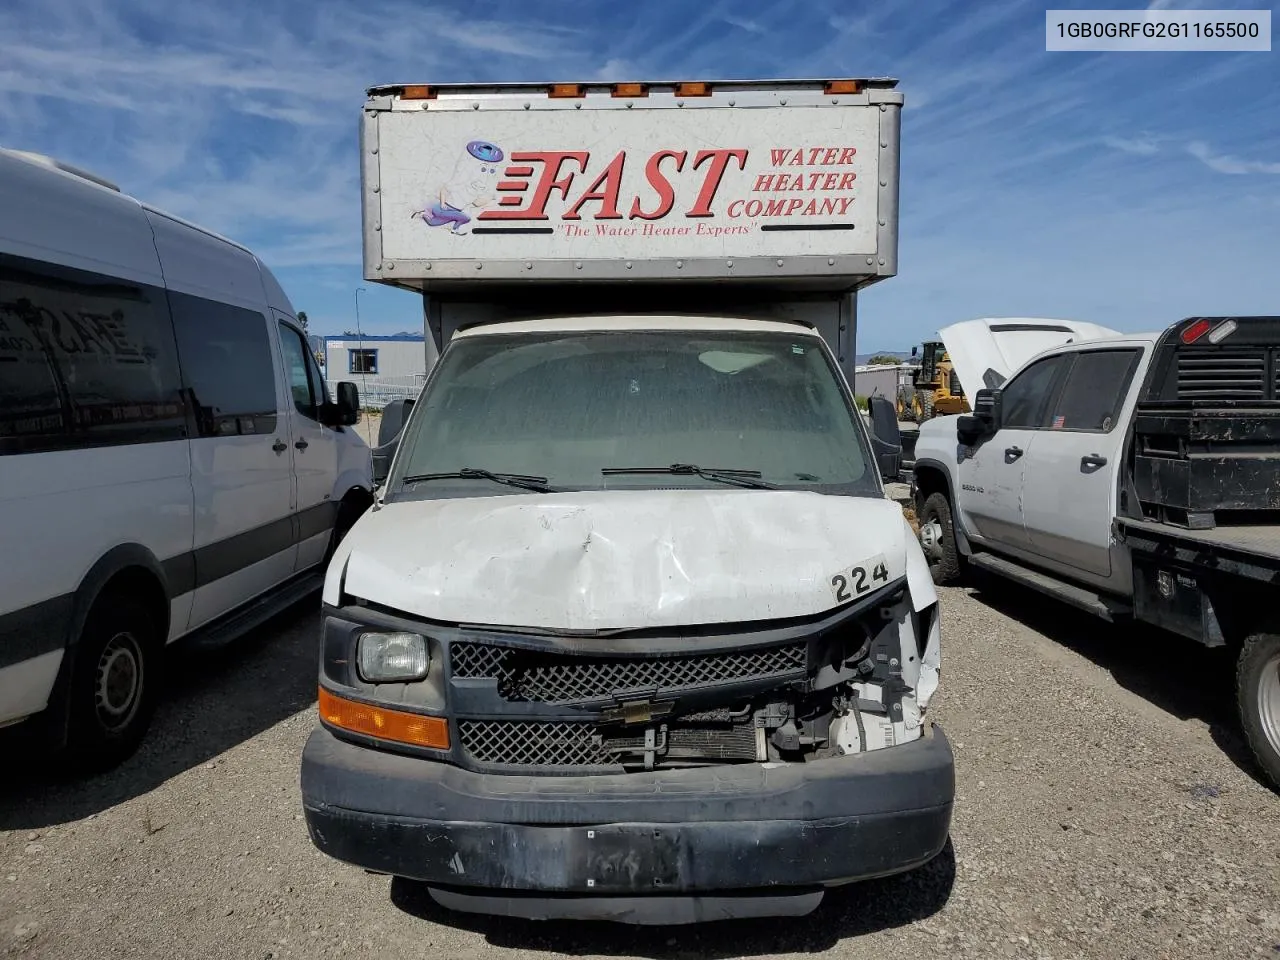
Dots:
(935, 389)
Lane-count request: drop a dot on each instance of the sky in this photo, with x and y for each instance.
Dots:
(1128, 189)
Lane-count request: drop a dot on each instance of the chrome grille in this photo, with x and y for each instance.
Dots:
(559, 678)
(476, 659)
(527, 743)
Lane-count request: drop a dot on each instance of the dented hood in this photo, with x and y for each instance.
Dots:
(620, 559)
(987, 352)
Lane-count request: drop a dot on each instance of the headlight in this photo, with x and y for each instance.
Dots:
(392, 657)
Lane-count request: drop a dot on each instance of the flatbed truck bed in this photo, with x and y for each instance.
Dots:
(1248, 550)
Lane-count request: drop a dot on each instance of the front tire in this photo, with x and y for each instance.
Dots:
(1258, 700)
(938, 539)
(114, 682)
(926, 406)
(351, 509)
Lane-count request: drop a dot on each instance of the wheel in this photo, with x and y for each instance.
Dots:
(114, 681)
(350, 510)
(926, 406)
(1258, 700)
(938, 539)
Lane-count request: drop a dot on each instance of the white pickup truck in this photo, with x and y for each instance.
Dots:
(1133, 476)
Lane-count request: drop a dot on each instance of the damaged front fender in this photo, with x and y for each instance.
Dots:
(924, 603)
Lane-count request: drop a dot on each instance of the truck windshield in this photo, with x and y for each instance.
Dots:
(580, 409)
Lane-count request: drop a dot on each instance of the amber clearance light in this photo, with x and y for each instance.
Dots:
(841, 86)
(370, 721)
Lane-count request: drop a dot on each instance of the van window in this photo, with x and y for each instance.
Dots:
(227, 365)
(319, 389)
(85, 360)
(295, 368)
(304, 379)
(567, 405)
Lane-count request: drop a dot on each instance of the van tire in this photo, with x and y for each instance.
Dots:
(114, 682)
(939, 544)
(1258, 700)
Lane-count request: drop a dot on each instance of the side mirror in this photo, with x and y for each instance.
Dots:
(348, 404)
(394, 415)
(969, 429)
(886, 439)
(988, 406)
(382, 463)
(985, 419)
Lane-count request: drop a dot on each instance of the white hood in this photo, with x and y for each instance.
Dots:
(622, 559)
(1004, 344)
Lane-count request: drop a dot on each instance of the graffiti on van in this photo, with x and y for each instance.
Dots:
(73, 363)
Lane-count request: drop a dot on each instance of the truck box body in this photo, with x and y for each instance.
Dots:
(776, 199)
(778, 182)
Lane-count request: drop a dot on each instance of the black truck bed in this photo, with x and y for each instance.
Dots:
(1252, 550)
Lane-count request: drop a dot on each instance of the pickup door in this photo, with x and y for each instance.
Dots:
(1070, 481)
(993, 473)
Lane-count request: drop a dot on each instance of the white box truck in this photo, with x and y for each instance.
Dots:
(632, 631)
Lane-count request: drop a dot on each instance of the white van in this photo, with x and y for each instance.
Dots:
(171, 463)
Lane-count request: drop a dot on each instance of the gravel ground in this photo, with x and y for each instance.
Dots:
(1105, 808)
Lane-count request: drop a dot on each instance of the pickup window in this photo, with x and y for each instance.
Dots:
(1094, 390)
(1027, 394)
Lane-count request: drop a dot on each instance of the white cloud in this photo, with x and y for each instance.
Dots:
(538, 42)
(751, 26)
(302, 115)
(1140, 146)
(616, 69)
(1225, 163)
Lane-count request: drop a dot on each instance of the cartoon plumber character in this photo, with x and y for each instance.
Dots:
(469, 187)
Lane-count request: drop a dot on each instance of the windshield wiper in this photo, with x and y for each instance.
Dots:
(474, 473)
(741, 478)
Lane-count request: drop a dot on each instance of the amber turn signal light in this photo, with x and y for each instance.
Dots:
(384, 724)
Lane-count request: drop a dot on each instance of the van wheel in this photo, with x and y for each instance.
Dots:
(938, 539)
(114, 682)
(1258, 699)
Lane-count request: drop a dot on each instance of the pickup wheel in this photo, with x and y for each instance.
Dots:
(1258, 699)
(938, 539)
